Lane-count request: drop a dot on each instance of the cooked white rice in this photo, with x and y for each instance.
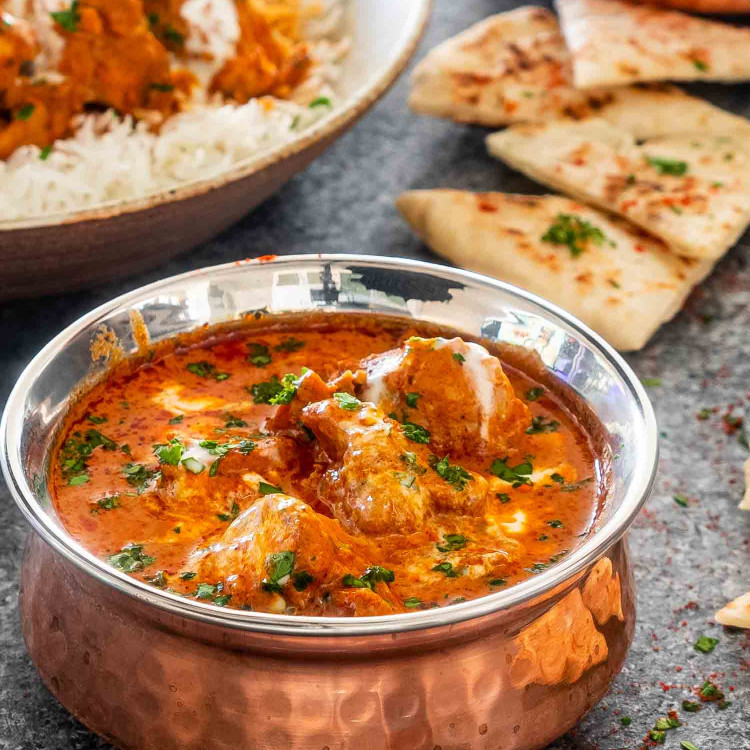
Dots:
(111, 158)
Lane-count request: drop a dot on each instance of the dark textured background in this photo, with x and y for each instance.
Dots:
(689, 561)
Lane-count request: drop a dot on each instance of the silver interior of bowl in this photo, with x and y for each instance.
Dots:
(476, 305)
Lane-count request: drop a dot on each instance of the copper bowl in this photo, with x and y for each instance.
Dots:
(150, 670)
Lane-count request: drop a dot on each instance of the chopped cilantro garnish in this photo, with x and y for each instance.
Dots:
(412, 602)
(258, 354)
(705, 644)
(177, 420)
(691, 706)
(657, 736)
(95, 419)
(223, 600)
(44, 153)
(668, 166)
(68, 19)
(131, 558)
(687, 745)
(537, 567)
(459, 358)
(205, 369)
(263, 392)
(139, 476)
(498, 582)
(704, 414)
(541, 424)
(289, 345)
(446, 569)
(667, 723)
(193, 465)
(321, 101)
(234, 511)
(78, 479)
(346, 401)
(452, 542)
(376, 573)
(681, 500)
(268, 489)
(651, 382)
(411, 399)
(352, 582)
(205, 591)
(106, 503)
(626, 721)
(188, 575)
(173, 35)
(169, 453)
(701, 65)
(279, 567)
(533, 394)
(516, 475)
(503, 497)
(454, 475)
(301, 580)
(232, 421)
(163, 87)
(410, 459)
(574, 233)
(416, 433)
(555, 524)
(158, 579)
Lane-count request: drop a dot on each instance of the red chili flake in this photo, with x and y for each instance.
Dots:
(486, 206)
(731, 423)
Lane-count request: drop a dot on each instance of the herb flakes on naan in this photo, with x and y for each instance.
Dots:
(613, 43)
(691, 192)
(617, 279)
(515, 67)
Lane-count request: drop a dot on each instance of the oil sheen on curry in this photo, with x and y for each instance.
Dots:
(353, 468)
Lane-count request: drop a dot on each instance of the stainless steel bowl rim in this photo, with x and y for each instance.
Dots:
(592, 549)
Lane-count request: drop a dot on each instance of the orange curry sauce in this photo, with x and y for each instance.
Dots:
(322, 504)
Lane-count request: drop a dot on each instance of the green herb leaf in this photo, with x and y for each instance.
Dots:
(258, 354)
(139, 476)
(705, 644)
(413, 602)
(205, 369)
(376, 573)
(574, 233)
(79, 479)
(681, 500)
(131, 558)
(516, 475)
(503, 497)
(234, 422)
(289, 345)
(537, 567)
(234, 511)
(205, 591)
(498, 582)
(533, 394)
(555, 524)
(667, 723)
(651, 382)
(173, 35)
(657, 736)
(68, 19)
(177, 420)
(456, 476)
(541, 424)
(95, 419)
(626, 721)
(459, 358)
(301, 580)
(452, 542)
(700, 65)
(163, 87)
(352, 582)
(687, 745)
(169, 453)
(193, 465)
(268, 489)
(347, 401)
(321, 101)
(668, 166)
(691, 706)
(446, 569)
(107, 503)
(416, 433)
(223, 600)
(411, 399)
(44, 153)
(188, 575)
(279, 567)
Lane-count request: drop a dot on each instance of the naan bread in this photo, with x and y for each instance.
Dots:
(691, 192)
(514, 67)
(745, 503)
(736, 614)
(624, 284)
(707, 6)
(612, 43)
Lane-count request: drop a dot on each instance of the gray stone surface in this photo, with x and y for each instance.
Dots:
(689, 561)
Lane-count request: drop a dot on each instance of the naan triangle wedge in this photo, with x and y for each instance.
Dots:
(617, 279)
(691, 192)
(736, 614)
(514, 67)
(615, 42)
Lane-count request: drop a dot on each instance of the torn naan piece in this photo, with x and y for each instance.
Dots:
(736, 614)
(745, 502)
(690, 192)
(617, 279)
(614, 42)
(514, 67)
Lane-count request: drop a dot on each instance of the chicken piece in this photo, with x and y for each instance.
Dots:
(280, 555)
(18, 48)
(457, 390)
(310, 388)
(116, 59)
(267, 61)
(222, 482)
(380, 483)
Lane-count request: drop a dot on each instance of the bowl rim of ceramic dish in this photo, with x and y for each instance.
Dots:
(351, 107)
(52, 532)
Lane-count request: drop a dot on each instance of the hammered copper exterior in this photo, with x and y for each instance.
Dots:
(149, 680)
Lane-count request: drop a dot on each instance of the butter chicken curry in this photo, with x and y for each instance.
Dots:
(354, 467)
